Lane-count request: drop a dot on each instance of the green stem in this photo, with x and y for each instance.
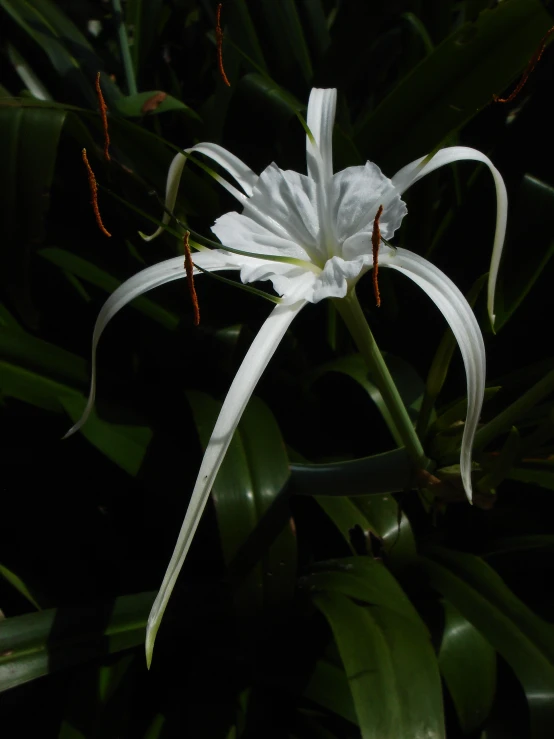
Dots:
(508, 417)
(125, 50)
(353, 316)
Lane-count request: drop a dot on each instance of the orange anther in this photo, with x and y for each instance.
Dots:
(528, 70)
(103, 113)
(189, 269)
(375, 242)
(94, 194)
(219, 40)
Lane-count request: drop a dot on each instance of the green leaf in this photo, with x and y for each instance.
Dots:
(132, 105)
(534, 205)
(143, 16)
(511, 415)
(37, 372)
(242, 31)
(524, 640)
(328, 687)
(516, 545)
(390, 666)
(18, 584)
(286, 35)
(534, 472)
(503, 464)
(346, 516)
(390, 472)
(8, 321)
(468, 665)
(447, 88)
(89, 272)
(40, 643)
(392, 526)
(365, 580)
(123, 444)
(246, 498)
(62, 42)
(409, 384)
(29, 140)
(280, 104)
(316, 26)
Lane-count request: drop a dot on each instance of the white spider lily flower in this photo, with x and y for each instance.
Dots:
(311, 236)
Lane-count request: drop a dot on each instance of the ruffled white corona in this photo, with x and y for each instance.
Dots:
(319, 227)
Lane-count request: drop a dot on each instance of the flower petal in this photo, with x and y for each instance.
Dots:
(321, 118)
(356, 194)
(238, 231)
(420, 167)
(147, 279)
(245, 177)
(457, 311)
(254, 363)
(284, 203)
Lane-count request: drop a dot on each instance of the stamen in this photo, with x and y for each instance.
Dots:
(94, 194)
(528, 70)
(189, 269)
(219, 40)
(103, 113)
(375, 242)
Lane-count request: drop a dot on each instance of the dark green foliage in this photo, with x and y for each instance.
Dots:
(330, 592)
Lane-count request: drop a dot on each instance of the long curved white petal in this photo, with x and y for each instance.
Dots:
(461, 319)
(420, 167)
(147, 279)
(245, 177)
(254, 363)
(171, 190)
(321, 118)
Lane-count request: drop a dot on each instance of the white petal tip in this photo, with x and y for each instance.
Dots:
(146, 237)
(72, 430)
(151, 631)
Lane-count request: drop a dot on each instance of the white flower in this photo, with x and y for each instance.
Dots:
(311, 236)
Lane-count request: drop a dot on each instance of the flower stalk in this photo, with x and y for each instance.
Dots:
(125, 50)
(353, 316)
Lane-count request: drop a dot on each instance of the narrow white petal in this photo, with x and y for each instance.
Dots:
(245, 177)
(461, 319)
(232, 164)
(321, 118)
(262, 349)
(147, 279)
(171, 189)
(420, 167)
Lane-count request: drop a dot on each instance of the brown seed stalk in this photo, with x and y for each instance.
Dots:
(375, 242)
(528, 70)
(189, 269)
(94, 194)
(219, 40)
(104, 114)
